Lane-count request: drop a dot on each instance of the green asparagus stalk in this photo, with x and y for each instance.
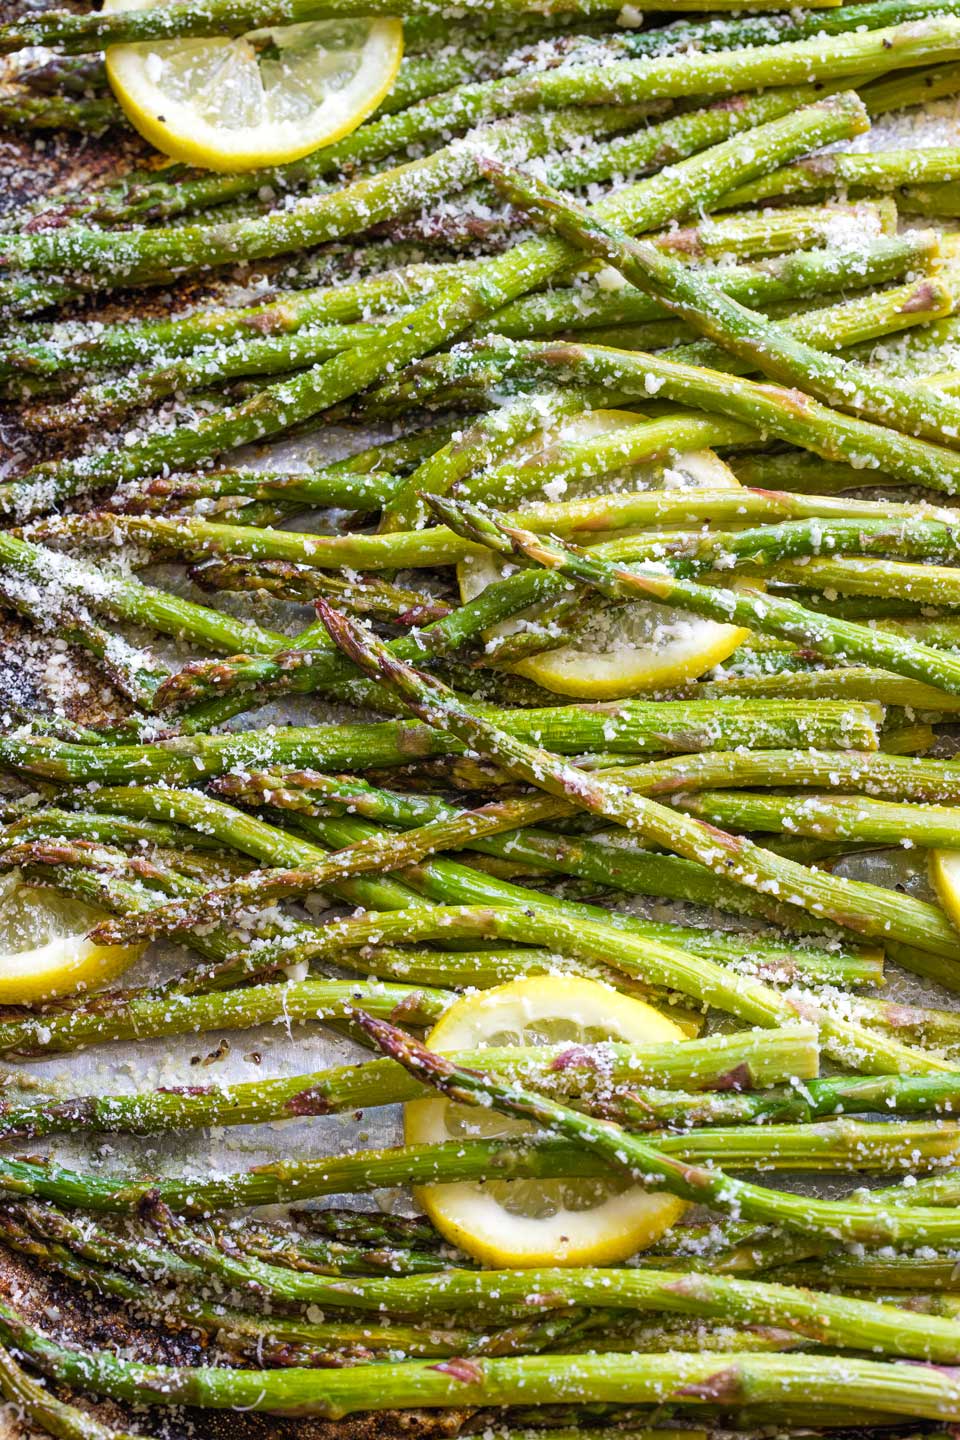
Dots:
(500, 1293)
(869, 577)
(639, 1158)
(829, 433)
(762, 343)
(126, 598)
(365, 595)
(724, 32)
(629, 727)
(921, 1214)
(724, 1062)
(295, 1002)
(82, 34)
(149, 255)
(755, 234)
(645, 1105)
(433, 825)
(293, 401)
(37, 1404)
(881, 915)
(90, 115)
(849, 817)
(883, 171)
(483, 968)
(456, 110)
(643, 206)
(822, 634)
(806, 274)
(874, 1386)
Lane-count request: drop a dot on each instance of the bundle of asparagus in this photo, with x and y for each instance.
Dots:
(636, 590)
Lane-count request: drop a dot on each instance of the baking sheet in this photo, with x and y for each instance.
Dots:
(31, 166)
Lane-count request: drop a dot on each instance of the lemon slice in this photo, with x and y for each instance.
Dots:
(44, 952)
(579, 1221)
(236, 102)
(945, 878)
(635, 647)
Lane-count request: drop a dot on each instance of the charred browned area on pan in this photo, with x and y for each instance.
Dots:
(73, 1316)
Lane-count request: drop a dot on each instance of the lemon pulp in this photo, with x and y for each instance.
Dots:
(264, 98)
(44, 950)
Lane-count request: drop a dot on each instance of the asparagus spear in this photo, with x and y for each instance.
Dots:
(724, 32)
(455, 110)
(292, 401)
(873, 1385)
(90, 115)
(304, 1000)
(81, 34)
(642, 206)
(831, 328)
(854, 817)
(735, 857)
(886, 170)
(640, 1159)
(41, 1407)
(501, 1293)
(643, 1106)
(767, 614)
(803, 274)
(729, 1061)
(433, 825)
(632, 727)
(763, 343)
(150, 255)
(807, 273)
(777, 963)
(829, 433)
(921, 1214)
(275, 1340)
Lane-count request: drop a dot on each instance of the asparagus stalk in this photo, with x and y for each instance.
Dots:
(643, 1106)
(921, 1214)
(483, 968)
(149, 255)
(433, 825)
(627, 727)
(883, 171)
(805, 274)
(640, 1159)
(456, 110)
(36, 1403)
(869, 910)
(724, 32)
(854, 817)
(293, 401)
(721, 1062)
(829, 433)
(873, 1385)
(642, 206)
(82, 34)
(448, 882)
(295, 1002)
(90, 115)
(755, 234)
(770, 615)
(501, 1293)
(365, 595)
(749, 336)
